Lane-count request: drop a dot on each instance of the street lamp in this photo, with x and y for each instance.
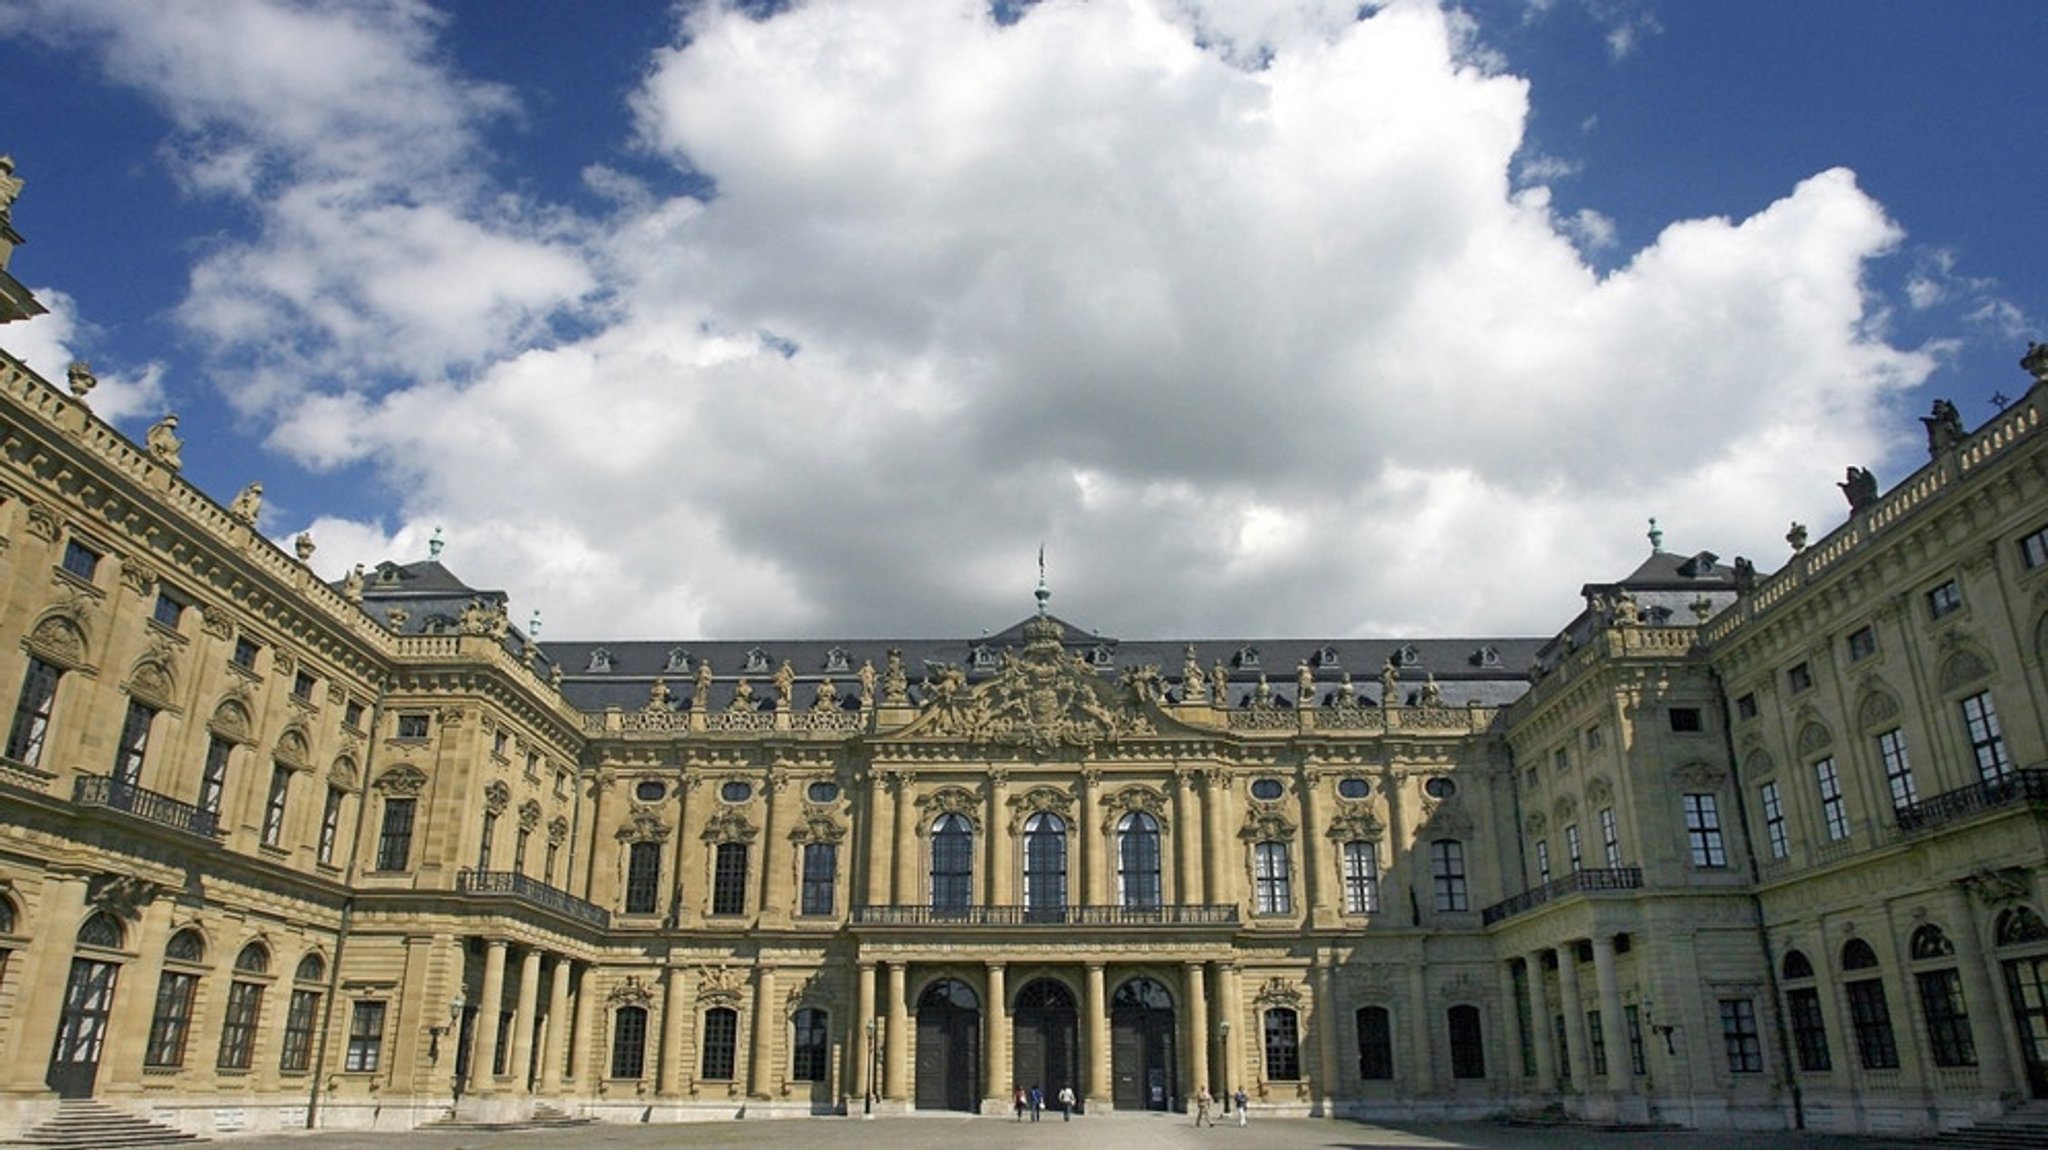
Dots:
(1223, 1067)
(434, 1033)
(867, 1104)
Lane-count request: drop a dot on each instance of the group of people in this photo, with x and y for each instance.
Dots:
(1204, 1113)
(1033, 1100)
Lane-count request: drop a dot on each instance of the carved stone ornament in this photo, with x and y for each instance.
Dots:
(727, 825)
(1449, 818)
(1266, 826)
(1814, 738)
(1599, 792)
(1041, 698)
(1355, 826)
(631, 992)
(342, 775)
(497, 797)
(809, 992)
(1700, 774)
(138, 576)
(643, 825)
(402, 780)
(231, 715)
(1564, 809)
(1964, 668)
(43, 523)
(817, 827)
(1537, 825)
(1134, 800)
(558, 830)
(1280, 992)
(152, 681)
(949, 801)
(2000, 886)
(59, 639)
(529, 815)
(291, 749)
(216, 623)
(1878, 708)
(121, 895)
(720, 985)
(1040, 800)
(1463, 988)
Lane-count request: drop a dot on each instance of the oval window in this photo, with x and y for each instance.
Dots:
(1439, 788)
(1353, 788)
(823, 792)
(736, 792)
(1268, 789)
(649, 791)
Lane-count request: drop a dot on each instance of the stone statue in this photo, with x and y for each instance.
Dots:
(895, 684)
(1745, 575)
(742, 696)
(1192, 687)
(1347, 695)
(703, 681)
(10, 187)
(1262, 694)
(867, 684)
(1432, 695)
(1859, 486)
(1390, 684)
(657, 695)
(352, 584)
(163, 442)
(828, 696)
(248, 503)
(1142, 682)
(785, 684)
(1796, 537)
(1626, 612)
(555, 675)
(1944, 427)
(2035, 362)
(81, 377)
(1219, 684)
(302, 546)
(1304, 685)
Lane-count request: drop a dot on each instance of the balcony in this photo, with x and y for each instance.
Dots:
(533, 893)
(2020, 787)
(113, 794)
(1622, 878)
(1197, 914)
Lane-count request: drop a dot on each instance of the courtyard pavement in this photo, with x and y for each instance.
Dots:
(1112, 1132)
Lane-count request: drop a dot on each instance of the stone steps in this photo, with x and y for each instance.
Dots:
(87, 1124)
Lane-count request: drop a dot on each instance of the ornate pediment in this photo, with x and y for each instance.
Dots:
(631, 992)
(817, 827)
(1356, 826)
(497, 797)
(1040, 800)
(949, 801)
(1133, 800)
(403, 779)
(1280, 992)
(719, 985)
(1041, 698)
(729, 826)
(1266, 824)
(643, 824)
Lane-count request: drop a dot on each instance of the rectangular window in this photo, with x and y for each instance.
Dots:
(302, 687)
(483, 846)
(245, 652)
(134, 748)
(1703, 831)
(1610, 838)
(1945, 600)
(1871, 1017)
(821, 878)
(1779, 843)
(365, 1038)
(1468, 1043)
(213, 780)
(1987, 743)
(1898, 772)
(629, 1042)
(169, 609)
(1833, 811)
(729, 879)
(1809, 1029)
(1542, 862)
(1560, 759)
(2034, 549)
(394, 837)
(643, 877)
(81, 560)
(1745, 707)
(721, 1039)
(532, 764)
(811, 1042)
(275, 805)
(1447, 861)
(1799, 678)
(1862, 644)
(330, 824)
(238, 1030)
(1572, 851)
(352, 715)
(1596, 1042)
(296, 1056)
(1595, 738)
(1637, 1062)
(1948, 1023)
(1361, 877)
(499, 741)
(32, 713)
(1283, 1046)
(412, 725)
(1740, 1038)
(548, 873)
(519, 850)
(171, 1022)
(1271, 887)
(1686, 720)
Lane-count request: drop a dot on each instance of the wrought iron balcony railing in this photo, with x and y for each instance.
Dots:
(2026, 786)
(115, 795)
(533, 892)
(1620, 878)
(1196, 914)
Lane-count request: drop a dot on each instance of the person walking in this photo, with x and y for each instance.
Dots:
(1202, 1101)
(1240, 1099)
(1066, 1103)
(1037, 1101)
(1018, 1101)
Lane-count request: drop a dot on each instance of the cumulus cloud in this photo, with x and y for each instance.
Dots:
(1257, 340)
(47, 345)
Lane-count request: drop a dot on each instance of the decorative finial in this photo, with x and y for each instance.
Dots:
(81, 378)
(1796, 536)
(533, 625)
(1044, 593)
(2000, 400)
(434, 545)
(1656, 537)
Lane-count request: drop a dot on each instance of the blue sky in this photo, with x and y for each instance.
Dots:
(817, 318)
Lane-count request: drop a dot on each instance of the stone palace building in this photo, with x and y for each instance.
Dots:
(1730, 849)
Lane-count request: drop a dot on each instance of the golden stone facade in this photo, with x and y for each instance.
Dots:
(1740, 850)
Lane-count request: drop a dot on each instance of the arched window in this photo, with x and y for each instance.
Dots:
(1870, 1014)
(102, 930)
(721, 1042)
(1930, 942)
(629, 1041)
(1468, 1043)
(1138, 860)
(1857, 955)
(809, 1045)
(952, 863)
(245, 1009)
(254, 959)
(303, 1009)
(170, 1020)
(187, 945)
(1375, 1043)
(1045, 864)
(311, 969)
(2015, 927)
(1797, 965)
(6, 915)
(1283, 1045)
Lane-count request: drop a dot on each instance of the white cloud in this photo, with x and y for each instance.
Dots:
(47, 345)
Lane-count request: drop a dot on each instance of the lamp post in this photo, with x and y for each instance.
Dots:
(867, 1104)
(1223, 1067)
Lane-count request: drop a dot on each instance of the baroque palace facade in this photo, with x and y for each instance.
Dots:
(1729, 849)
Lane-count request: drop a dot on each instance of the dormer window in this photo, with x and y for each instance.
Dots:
(1103, 655)
(1700, 566)
(1247, 658)
(757, 661)
(835, 660)
(1487, 656)
(1657, 616)
(984, 656)
(387, 573)
(1325, 657)
(678, 661)
(1407, 656)
(600, 662)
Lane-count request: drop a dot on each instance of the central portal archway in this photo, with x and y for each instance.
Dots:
(1047, 1050)
(1141, 1046)
(949, 1047)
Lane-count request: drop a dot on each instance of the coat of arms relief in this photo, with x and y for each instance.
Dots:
(1043, 697)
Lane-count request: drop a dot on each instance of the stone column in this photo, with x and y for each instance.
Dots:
(1326, 1036)
(1975, 964)
(1232, 1010)
(1539, 1019)
(996, 1044)
(1314, 854)
(523, 1019)
(1574, 1010)
(999, 885)
(1187, 840)
(1613, 1027)
(490, 1004)
(1095, 1017)
(775, 871)
(881, 836)
(579, 1036)
(1511, 1026)
(47, 965)
(675, 1008)
(864, 1018)
(1215, 793)
(558, 1027)
(908, 835)
(1195, 990)
(1400, 852)
(767, 1023)
(1095, 866)
(896, 1042)
(1427, 1023)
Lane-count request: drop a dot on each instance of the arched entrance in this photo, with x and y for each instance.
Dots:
(1141, 1047)
(949, 1047)
(88, 1003)
(1047, 1050)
